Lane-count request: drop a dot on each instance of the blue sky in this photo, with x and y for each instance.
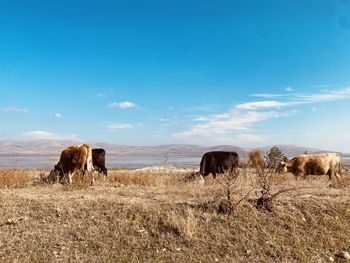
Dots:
(247, 73)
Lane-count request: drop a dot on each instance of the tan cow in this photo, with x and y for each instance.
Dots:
(73, 160)
(313, 164)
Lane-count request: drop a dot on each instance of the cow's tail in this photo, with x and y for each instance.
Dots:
(89, 164)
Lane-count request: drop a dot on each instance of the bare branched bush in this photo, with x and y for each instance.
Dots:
(266, 175)
(228, 183)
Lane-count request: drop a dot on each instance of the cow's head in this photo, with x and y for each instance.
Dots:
(281, 167)
(56, 174)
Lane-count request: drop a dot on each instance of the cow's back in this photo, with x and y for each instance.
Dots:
(217, 162)
(317, 164)
(99, 156)
(75, 157)
(99, 160)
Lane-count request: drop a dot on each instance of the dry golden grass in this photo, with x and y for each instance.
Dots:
(343, 182)
(127, 177)
(15, 178)
(166, 218)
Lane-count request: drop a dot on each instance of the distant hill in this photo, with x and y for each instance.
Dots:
(10, 147)
(291, 150)
(54, 147)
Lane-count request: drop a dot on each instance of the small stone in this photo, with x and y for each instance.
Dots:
(343, 255)
(11, 221)
(249, 252)
(58, 212)
(331, 259)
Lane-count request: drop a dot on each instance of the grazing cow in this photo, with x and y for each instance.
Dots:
(73, 160)
(218, 162)
(313, 164)
(99, 160)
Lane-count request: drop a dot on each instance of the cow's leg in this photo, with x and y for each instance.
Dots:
(214, 175)
(70, 175)
(82, 174)
(58, 176)
(335, 174)
(92, 177)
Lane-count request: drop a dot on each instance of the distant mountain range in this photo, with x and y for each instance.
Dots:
(54, 147)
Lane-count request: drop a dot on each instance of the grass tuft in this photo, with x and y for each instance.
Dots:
(15, 178)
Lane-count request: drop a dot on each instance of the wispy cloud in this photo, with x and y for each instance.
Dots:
(173, 120)
(58, 115)
(123, 105)
(260, 105)
(14, 109)
(45, 135)
(118, 126)
(101, 95)
(289, 89)
(226, 123)
(239, 122)
(326, 95)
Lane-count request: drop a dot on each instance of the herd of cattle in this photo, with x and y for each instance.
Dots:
(79, 159)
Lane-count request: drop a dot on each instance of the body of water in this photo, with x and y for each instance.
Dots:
(112, 161)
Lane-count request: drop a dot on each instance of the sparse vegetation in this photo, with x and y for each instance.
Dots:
(127, 177)
(14, 178)
(160, 217)
(274, 156)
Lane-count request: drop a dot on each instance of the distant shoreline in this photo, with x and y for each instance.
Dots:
(131, 161)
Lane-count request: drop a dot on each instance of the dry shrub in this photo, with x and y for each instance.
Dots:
(343, 182)
(14, 178)
(130, 177)
(256, 159)
(184, 225)
(266, 178)
(280, 179)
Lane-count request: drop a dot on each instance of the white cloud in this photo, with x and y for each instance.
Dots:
(100, 95)
(45, 135)
(228, 123)
(260, 104)
(14, 109)
(326, 95)
(123, 105)
(58, 115)
(240, 121)
(117, 126)
(289, 89)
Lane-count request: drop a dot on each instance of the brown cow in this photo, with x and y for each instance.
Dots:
(73, 160)
(313, 164)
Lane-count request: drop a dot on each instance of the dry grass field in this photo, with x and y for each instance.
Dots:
(169, 217)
